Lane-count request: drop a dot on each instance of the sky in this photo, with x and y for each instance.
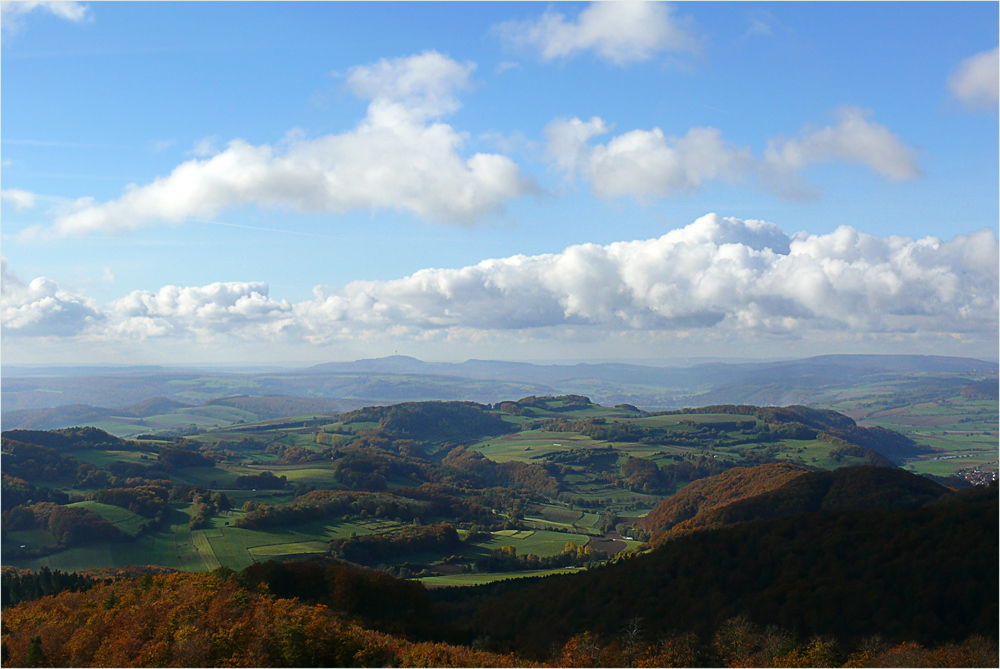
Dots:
(277, 182)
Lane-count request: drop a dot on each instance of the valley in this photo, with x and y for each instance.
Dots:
(482, 505)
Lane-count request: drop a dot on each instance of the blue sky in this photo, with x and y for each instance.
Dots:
(192, 182)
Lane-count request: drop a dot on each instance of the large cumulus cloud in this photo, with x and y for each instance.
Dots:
(239, 308)
(43, 308)
(718, 272)
(401, 156)
(725, 276)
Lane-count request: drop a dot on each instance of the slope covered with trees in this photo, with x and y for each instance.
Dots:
(769, 491)
(926, 575)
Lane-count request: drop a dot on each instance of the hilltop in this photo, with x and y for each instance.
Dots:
(769, 491)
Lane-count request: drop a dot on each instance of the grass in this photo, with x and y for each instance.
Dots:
(104, 458)
(126, 521)
(480, 579)
(31, 538)
(237, 547)
(176, 545)
(947, 467)
(543, 543)
(531, 446)
(549, 517)
(559, 514)
(949, 426)
(292, 548)
(201, 544)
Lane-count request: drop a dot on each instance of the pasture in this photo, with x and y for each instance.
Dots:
(176, 545)
(123, 519)
(543, 543)
(480, 579)
(960, 432)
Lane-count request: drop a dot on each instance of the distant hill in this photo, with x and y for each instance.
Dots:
(982, 390)
(152, 407)
(84, 392)
(67, 439)
(280, 406)
(832, 368)
(83, 414)
(881, 446)
(433, 421)
(54, 418)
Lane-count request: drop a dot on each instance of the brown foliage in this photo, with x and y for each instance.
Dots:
(204, 620)
(683, 510)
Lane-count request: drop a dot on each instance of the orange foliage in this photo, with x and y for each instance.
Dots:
(204, 620)
(684, 509)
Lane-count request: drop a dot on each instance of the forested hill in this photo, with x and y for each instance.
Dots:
(830, 425)
(695, 501)
(66, 439)
(779, 490)
(926, 574)
(433, 421)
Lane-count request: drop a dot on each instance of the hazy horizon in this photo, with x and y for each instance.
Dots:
(297, 183)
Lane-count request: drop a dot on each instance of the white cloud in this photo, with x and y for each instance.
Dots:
(644, 163)
(159, 145)
(717, 273)
(721, 278)
(205, 147)
(229, 309)
(620, 32)
(758, 27)
(426, 84)
(567, 141)
(647, 163)
(506, 65)
(107, 276)
(853, 139)
(976, 80)
(12, 13)
(42, 309)
(21, 199)
(399, 157)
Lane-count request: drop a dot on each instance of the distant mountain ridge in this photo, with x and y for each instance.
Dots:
(81, 394)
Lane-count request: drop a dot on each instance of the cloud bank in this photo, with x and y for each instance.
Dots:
(721, 276)
(647, 163)
(976, 80)
(619, 32)
(399, 157)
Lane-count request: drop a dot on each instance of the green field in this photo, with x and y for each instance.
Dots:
(531, 446)
(543, 543)
(960, 432)
(294, 548)
(126, 521)
(551, 516)
(176, 545)
(480, 579)
(104, 458)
